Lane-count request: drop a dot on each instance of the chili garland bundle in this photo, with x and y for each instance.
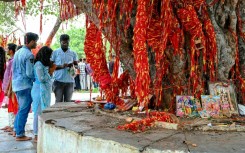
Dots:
(67, 9)
(141, 64)
(3, 41)
(191, 23)
(211, 49)
(146, 123)
(241, 81)
(96, 58)
(123, 82)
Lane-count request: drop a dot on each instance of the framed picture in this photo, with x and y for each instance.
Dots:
(186, 106)
(211, 106)
(228, 99)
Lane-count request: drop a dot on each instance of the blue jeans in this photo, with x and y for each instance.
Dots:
(24, 101)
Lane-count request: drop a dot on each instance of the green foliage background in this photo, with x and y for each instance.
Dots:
(7, 18)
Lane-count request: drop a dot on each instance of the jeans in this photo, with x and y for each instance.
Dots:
(83, 81)
(89, 82)
(24, 101)
(63, 91)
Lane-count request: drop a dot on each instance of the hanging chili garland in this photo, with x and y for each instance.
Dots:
(95, 56)
(3, 41)
(141, 63)
(41, 16)
(241, 80)
(191, 23)
(67, 9)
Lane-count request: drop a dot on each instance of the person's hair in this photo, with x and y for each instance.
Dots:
(2, 62)
(12, 46)
(29, 36)
(19, 47)
(84, 59)
(44, 55)
(64, 37)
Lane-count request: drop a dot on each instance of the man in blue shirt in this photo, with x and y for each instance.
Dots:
(64, 59)
(22, 80)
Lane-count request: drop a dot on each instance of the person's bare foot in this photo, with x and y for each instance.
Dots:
(5, 128)
(24, 138)
(35, 139)
(12, 133)
(5, 106)
(9, 130)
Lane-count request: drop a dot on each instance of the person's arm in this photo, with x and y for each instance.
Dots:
(52, 59)
(29, 66)
(9, 87)
(58, 67)
(52, 68)
(75, 60)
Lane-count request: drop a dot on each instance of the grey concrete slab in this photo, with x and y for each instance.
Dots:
(118, 136)
(218, 142)
(25, 151)
(15, 146)
(173, 142)
(5, 137)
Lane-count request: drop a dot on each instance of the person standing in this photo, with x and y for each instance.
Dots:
(89, 73)
(83, 79)
(22, 81)
(64, 59)
(7, 87)
(111, 64)
(77, 79)
(41, 90)
(2, 69)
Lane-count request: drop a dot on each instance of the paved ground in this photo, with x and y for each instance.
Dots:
(8, 143)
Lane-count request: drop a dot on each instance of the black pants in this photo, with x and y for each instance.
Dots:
(63, 91)
(77, 83)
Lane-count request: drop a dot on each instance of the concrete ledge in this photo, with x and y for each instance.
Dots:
(72, 128)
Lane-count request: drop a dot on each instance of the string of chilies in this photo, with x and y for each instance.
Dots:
(141, 63)
(95, 55)
(241, 81)
(148, 122)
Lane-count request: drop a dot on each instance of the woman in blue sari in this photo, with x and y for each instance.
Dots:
(41, 90)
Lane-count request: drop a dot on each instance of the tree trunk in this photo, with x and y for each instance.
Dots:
(53, 32)
(224, 17)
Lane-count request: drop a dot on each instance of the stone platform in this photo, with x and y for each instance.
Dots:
(73, 128)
